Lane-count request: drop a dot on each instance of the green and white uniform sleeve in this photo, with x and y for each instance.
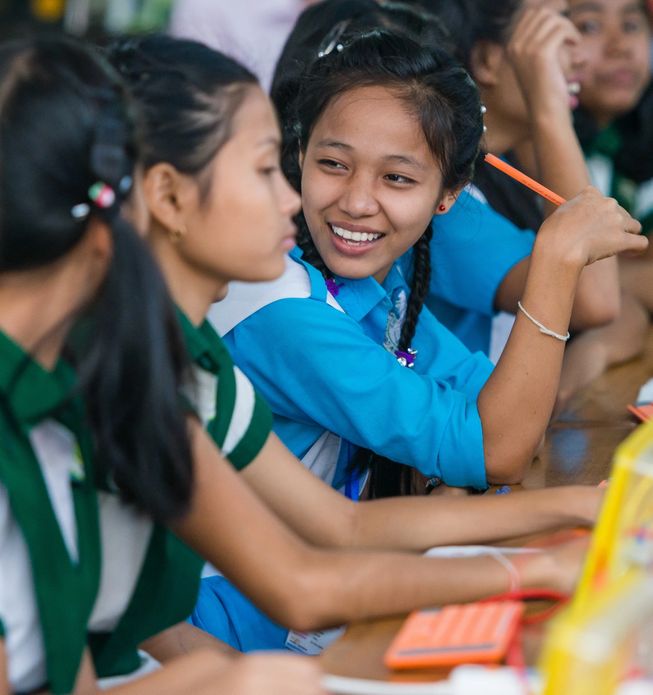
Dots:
(236, 417)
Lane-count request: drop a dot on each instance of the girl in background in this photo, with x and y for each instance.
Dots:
(530, 122)
(220, 210)
(615, 120)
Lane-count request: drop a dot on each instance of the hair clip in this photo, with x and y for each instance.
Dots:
(331, 41)
(80, 211)
(125, 185)
(406, 358)
(102, 195)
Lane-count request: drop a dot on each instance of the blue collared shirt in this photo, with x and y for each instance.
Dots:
(322, 369)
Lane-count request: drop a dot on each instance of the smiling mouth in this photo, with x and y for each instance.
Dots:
(573, 88)
(355, 238)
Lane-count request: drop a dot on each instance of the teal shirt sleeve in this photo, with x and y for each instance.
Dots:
(319, 371)
(472, 251)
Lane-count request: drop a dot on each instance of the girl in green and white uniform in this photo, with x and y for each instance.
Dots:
(91, 472)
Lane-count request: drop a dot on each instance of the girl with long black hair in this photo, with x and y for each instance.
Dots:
(92, 469)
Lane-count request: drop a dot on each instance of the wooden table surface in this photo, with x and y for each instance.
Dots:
(578, 449)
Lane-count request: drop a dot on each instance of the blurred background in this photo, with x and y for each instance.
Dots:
(94, 18)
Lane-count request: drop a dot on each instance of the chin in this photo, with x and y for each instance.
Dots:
(221, 293)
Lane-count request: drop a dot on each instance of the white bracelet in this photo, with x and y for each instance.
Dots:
(544, 329)
(513, 572)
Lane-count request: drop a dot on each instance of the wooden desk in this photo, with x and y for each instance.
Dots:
(578, 449)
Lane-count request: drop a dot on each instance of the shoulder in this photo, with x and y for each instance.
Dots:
(299, 281)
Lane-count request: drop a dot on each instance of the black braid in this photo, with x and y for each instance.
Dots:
(419, 287)
(307, 245)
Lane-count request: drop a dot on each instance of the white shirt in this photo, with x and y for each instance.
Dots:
(251, 31)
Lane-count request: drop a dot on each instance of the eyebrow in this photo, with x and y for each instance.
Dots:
(269, 141)
(398, 158)
(585, 7)
(590, 6)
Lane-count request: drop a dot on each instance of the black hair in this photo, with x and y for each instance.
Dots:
(470, 21)
(64, 127)
(317, 20)
(187, 94)
(447, 104)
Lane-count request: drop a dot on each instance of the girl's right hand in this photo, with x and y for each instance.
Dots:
(588, 228)
(273, 674)
(545, 44)
(557, 567)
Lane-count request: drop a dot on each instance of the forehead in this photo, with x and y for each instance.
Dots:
(555, 5)
(615, 6)
(254, 115)
(376, 119)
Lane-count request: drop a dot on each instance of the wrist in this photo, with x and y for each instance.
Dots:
(537, 571)
(555, 250)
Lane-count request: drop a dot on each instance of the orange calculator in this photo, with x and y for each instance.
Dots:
(470, 633)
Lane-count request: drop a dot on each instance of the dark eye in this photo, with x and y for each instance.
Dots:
(634, 25)
(330, 164)
(398, 178)
(588, 27)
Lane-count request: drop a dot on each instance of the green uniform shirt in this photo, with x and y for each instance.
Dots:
(236, 417)
(634, 197)
(80, 569)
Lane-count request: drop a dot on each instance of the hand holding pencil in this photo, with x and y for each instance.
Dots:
(599, 225)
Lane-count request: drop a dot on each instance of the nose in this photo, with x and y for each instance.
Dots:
(617, 42)
(578, 55)
(359, 199)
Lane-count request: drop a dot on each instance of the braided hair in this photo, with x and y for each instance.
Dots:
(447, 105)
(67, 154)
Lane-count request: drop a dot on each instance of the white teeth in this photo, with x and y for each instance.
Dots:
(355, 236)
(573, 88)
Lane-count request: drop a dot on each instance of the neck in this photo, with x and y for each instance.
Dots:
(192, 290)
(37, 311)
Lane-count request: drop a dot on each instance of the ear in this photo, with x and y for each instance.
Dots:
(302, 154)
(485, 60)
(446, 202)
(169, 195)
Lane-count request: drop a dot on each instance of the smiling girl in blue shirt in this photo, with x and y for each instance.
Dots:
(377, 154)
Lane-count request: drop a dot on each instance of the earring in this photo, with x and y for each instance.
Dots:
(442, 208)
(176, 235)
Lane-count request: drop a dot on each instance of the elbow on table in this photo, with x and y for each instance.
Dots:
(509, 469)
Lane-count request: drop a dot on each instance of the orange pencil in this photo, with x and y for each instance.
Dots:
(524, 180)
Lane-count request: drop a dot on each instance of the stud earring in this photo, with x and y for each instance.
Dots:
(176, 235)
(442, 208)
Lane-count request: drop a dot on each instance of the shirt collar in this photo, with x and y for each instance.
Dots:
(202, 342)
(359, 297)
(32, 391)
